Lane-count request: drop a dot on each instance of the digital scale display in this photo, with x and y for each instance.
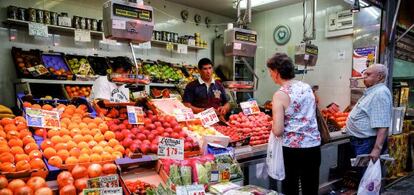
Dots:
(132, 12)
(241, 36)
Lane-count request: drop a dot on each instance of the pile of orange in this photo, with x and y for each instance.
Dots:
(18, 149)
(81, 139)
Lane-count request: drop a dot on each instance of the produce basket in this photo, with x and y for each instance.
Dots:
(112, 110)
(79, 65)
(29, 64)
(56, 64)
(162, 72)
(129, 79)
(72, 91)
(99, 65)
(145, 176)
(239, 85)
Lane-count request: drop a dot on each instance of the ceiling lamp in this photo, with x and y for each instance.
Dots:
(356, 7)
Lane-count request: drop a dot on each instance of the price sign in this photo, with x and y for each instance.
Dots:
(82, 35)
(171, 148)
(250, 107)
(169, 47)
(190, 190)
(42, 118)
(103, 191)
(208, 117)
(181, 48)
(37, 29)
(109, 181)
(135, 115)
(145, 45)
(184, 114)
(237, 46)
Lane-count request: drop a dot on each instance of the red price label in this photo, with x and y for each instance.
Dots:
(208, 117)
(184, 114)
(171, 148)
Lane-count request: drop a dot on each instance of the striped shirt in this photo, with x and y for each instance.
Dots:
(373, 110)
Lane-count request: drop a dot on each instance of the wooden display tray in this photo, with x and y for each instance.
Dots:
(26, 174)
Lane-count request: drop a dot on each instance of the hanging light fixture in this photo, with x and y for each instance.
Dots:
(356, 7)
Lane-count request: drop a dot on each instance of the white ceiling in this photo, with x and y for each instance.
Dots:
(225, 7)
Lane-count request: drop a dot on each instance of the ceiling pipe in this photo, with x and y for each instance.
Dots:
(313, 36)
(394, 22)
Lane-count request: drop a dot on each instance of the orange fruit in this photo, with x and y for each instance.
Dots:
(7, 157)
(37, 163)
(52, 132)
(76, 119)
(71, 144)
(28, 139)
(109, 135)
(95, 131)
(117, 154)
(69, 111)
(35, 154)
(92, 126)
(84, 158)
(83, 125)
(96, 158)
(61, 106)
(36, 106)
(24, 133)
(103, 127)
(92, 143)
(63, 125)
(108, 149)
(7, 167)
(86, 151)
(98, 137)
(30, 147)
(2, 133)
(61, 146)
(97, 149)
(23, 165)
(82, 107)
(47, 107)
(87, 120)
(75, 152)
(98, 120)
(113, 142)
(46, 144)
(39, 132)
(75, 131)
(66, 138)
(49, 152)
(83, 145)
(12, 135)
(4, 148)
(119, 148)
(63, 154)
(71, 160)
(103, 143)
(106, 156)
(19, 119)
(78, 138)
(20, 157)
(16, 150)
(15, 142)
(64, 131)
(88, 138)
(85, 131)
(71, 106)
(21, 126)
(6, 121)
(55, 161)
(10, 127)
(65, 120)
(73, 125)
(56, 139)
(27, 104)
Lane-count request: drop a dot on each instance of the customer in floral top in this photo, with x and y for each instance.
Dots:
(294, 118)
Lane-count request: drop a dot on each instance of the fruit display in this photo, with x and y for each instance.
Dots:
(75, 180)
(129, 78)
(238, 85)
(203, 131)
(99, 65)
(27, 60)
(78, 91)
(138, 187)
(34, 186)
(79, 65)
(18, 149)
(336, 119)
(163, 72)
(257, 127)
(144, 138)
(6, 112)
(56, 65)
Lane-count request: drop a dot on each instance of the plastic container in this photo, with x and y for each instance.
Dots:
(57, 66)
(29, 63)
(99, 65)
(79, 65)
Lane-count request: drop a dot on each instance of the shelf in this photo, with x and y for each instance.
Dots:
(45, 81)
(175, 44)
(53, 28)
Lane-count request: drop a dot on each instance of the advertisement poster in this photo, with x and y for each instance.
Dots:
(362, 58)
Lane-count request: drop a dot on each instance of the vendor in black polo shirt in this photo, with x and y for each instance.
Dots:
(205, 92)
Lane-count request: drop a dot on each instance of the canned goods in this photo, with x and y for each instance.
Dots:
(46, 17)
(88, 22)
(31, 14)
(175, 38)
(76, 22)
(21, 13)
(197, 34)
(94, 24)
(100, 25)
(64, 14)
(158, 35)
(82, 22)
(12, 12)
(53, 18)
(39, 16)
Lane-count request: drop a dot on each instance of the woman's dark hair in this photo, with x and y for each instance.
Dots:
(203, 62)
(126, 67)
(281, 63)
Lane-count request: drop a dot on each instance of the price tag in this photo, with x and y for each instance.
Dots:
(37, 29)
(237, 46)
(103, 191)
(184, 114)
(135, 115)
(191, 42)
(169, 47)
(145, 45)
(181, 48)
(119, 24)
(190, 190)
(208, 117)
(42, 118)
(84, 69)
(109, 181)
(82, 35)
(171, 148)
(250, 107)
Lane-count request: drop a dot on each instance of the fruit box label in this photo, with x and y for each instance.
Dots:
(183, 114)
(250, 107)
(109, 181)
(103, 191)
(190, 190)
(42, 118)
(208, 117)
(135, 115)
(171, 148)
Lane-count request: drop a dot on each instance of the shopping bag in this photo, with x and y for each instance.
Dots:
(371, 181)
(274, 158)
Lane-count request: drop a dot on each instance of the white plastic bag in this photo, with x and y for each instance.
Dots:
(274, 159)
(371, 181)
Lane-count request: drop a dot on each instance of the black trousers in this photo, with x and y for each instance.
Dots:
(301, 166)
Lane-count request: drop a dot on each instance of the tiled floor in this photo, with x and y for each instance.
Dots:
(403, 187)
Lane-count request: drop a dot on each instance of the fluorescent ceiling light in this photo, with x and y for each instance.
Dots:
(254, 3)
(361, 2)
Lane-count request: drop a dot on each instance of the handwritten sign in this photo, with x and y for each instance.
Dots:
(171, 148)
(250, 107)
(208, 117)
(190, 190)
(42, 118)
(109, 181)
(82, 35)
(103, 191)
(181, 48)
(183, 114)
(135, 115)
(37, 29)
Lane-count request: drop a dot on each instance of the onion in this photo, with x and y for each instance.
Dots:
(68, 190)
(65, 178)
(16, 183)
(94, 170)
(36, 183)
(79, 171)
(3, 182)
(81, 183)
(44, 191)
(25, 190)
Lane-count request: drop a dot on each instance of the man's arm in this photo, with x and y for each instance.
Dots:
(382, 134)
(196, 110)
(223, 110)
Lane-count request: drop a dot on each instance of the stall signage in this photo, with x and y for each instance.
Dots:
(184, 114)
(208, 117)
(169, 47)
(109, 181)
(171, 148)
(82, 35)
(42, 118)
(135, 115)
(250, 107)
(103, 191)
(190, 190)
(181, 48)
(37, 29)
